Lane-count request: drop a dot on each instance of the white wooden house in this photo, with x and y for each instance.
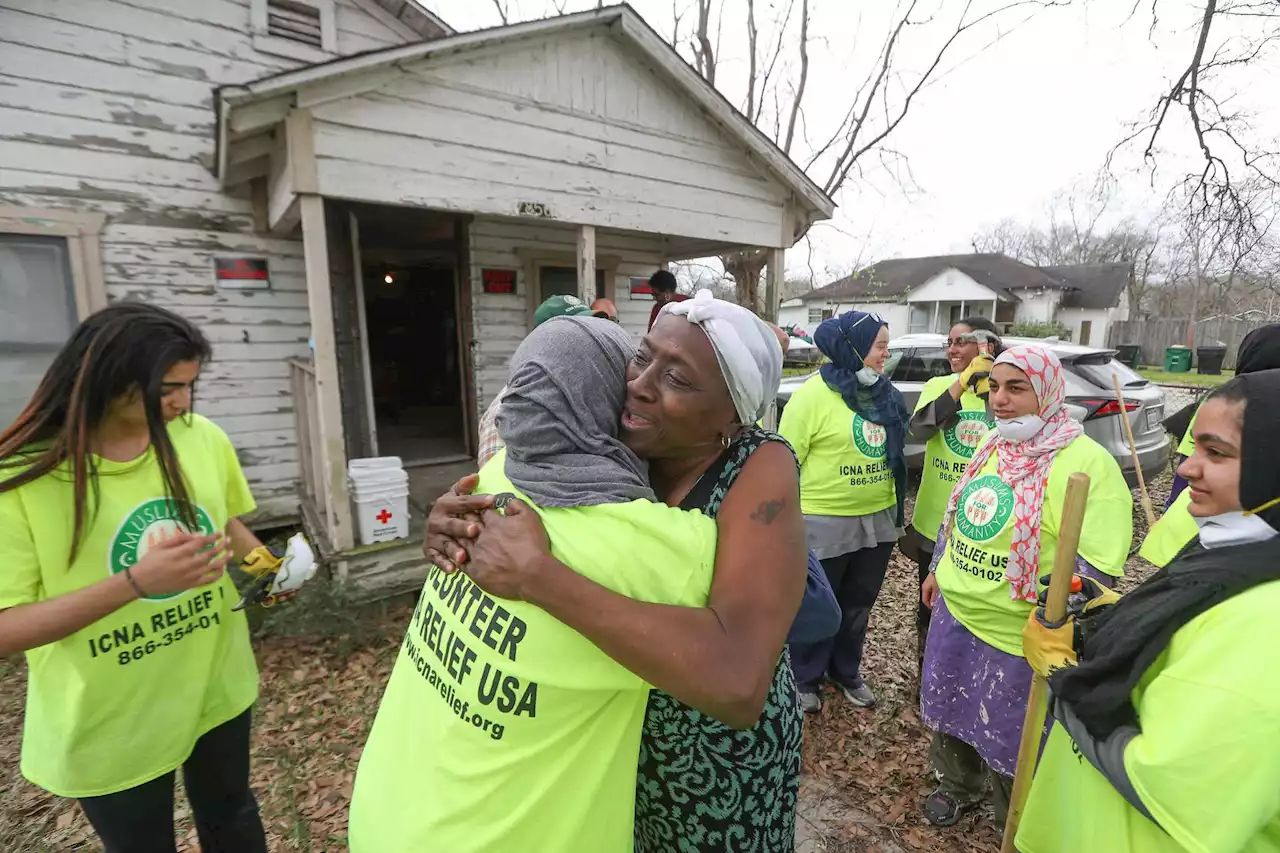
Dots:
(930, 294)
(360, 207)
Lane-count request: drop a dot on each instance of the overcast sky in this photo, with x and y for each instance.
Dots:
(1000, 136)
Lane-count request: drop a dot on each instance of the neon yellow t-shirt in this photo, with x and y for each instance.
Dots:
(843, 465)
(947, 454)
(1188, 444)
(504, 729)
(124, 700)
(1171, 532)
(1207, 764)
(971, 574)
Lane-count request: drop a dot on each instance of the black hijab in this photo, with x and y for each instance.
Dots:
(1127, 637)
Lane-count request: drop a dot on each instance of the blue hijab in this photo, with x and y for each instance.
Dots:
(846, 340)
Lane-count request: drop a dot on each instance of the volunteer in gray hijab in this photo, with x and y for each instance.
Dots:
(559, 419)
(720, 755)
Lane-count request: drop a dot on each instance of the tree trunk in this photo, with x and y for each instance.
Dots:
(745, 268)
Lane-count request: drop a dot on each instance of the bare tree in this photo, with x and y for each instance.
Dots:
(1239, 173)
(776, 88)
(502, 12)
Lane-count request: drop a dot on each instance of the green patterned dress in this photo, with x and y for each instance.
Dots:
(703, 786)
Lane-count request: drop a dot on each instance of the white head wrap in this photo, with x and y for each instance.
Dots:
(746, 348)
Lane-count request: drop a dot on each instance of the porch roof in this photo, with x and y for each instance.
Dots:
(261, 104)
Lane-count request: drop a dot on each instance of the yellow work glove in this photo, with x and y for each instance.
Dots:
(1050, 646)
(975, 375)
(262, 566)
(260, 561)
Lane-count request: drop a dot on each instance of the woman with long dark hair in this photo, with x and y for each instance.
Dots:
(118, 514)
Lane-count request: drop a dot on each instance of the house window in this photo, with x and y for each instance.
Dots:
(817, 315)
(39, 296)
(563, 281)
(921, 315)
(295, 29)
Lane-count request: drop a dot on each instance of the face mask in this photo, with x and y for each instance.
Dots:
(1019, 429)
(867, 376)
(1233, 528)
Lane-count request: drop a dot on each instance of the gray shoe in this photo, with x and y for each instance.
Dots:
(859, 694)
(810, 703)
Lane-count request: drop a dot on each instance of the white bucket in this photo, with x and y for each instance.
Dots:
(380, 490)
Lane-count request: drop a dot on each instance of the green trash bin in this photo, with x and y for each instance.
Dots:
(1129, 354)
(1177, 359)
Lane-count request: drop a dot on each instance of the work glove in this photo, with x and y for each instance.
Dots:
(975, 376)
(1050, 646)
(277, 577)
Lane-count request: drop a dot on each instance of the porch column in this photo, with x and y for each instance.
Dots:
(332, 449)
(777, 275)
(934, 326)
(995, 307)
(587, 263)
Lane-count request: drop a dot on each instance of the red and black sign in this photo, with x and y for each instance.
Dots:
(498, 281)
(242, 272)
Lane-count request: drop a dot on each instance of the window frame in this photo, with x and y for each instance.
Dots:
(82, 231)
(533, 259)
(264, 42)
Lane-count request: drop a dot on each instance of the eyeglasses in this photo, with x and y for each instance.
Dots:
(959, 342)
(845, 333)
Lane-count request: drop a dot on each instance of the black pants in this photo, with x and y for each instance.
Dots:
(923, 614)
(856, 578)
(140, 820)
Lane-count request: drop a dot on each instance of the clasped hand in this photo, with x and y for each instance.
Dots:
(503, 552)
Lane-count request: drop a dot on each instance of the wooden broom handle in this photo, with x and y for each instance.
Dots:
(1055, 610)
(1133, 449)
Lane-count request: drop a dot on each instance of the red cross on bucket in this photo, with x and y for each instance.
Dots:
(384, 516)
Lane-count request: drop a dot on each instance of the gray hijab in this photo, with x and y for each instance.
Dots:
(559, 419)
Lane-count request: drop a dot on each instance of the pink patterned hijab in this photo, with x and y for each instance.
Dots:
(1024, 465)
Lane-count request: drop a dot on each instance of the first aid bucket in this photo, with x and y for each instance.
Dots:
(380, 490)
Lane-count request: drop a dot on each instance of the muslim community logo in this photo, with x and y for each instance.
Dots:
(963, 439)
(869, 438)
(148, 524)
(985, 507)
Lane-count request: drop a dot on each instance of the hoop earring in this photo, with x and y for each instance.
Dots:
(725, 442)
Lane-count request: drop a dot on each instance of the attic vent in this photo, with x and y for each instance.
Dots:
(295, 21)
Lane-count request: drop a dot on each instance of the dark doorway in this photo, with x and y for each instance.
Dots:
(415, 366)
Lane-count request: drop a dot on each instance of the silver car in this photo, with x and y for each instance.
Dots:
(915, 359)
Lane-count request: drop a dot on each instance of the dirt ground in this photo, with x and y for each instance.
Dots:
(323, 669)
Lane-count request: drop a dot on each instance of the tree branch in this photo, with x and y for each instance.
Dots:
(804, 77)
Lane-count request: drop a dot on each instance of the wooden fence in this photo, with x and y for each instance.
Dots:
(1155, 335)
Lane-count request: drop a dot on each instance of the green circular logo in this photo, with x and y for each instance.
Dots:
(963, 438)
(869, 438)
(148, 524)
(984, 509)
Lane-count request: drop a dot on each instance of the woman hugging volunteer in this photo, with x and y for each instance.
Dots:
(502, 728)
(848, 427)
(999, 534)
(952, 416)
(1166, 733)
(1260, 350)
(118, 512)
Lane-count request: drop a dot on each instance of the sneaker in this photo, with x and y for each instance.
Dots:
(943, 809)
(810, 703)
(859, 694)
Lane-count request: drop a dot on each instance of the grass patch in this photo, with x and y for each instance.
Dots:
(1190, 378)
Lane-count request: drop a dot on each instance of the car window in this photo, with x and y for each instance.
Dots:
(1099, 369)
(920, 365)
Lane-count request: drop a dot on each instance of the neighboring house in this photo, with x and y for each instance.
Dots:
(361, 208)
(930, 294)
